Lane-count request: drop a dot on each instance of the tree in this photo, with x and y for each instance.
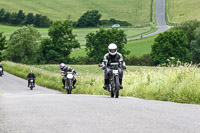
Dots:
(2, 12)
(188, 27)
(45, 21)
(2, 44)
(97, 43)
(61, 42)
(21, 16)
(37, 20)
(49, 51)
(23, 45)
(29, 19)
(13, 19)
(170, 44)
(89, 19)
(5, 18)
(195, 47)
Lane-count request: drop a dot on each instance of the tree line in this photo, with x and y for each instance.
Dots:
(93, 19)
(88, 19)
(181, 43)
(25, 45)
(20, 18)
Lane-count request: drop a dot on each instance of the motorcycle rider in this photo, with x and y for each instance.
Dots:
(112, 57)
(65, 68)
(2, 68)
(30, 76)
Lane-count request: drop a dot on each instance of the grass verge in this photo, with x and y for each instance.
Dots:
(176, 84)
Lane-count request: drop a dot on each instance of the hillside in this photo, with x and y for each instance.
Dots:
(182, 10)
(133, 11)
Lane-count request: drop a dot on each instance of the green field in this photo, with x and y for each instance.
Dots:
(136, 47)
(140, 47)
(8, 30)
(133, 11)
(182, 10)
(177, 84)
(80, 32)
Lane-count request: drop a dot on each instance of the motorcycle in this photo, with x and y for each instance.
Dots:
(68, 78)
(114, 85)
(1, 71)
(31, 83)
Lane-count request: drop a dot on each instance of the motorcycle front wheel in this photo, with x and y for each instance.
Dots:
(117, 88)
(69, 88)
(31, 86)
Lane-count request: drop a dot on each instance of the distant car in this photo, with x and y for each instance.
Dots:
(115, 26)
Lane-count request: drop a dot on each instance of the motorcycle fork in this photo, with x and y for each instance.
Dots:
(68, 83)
(116, 78)
(112, 83)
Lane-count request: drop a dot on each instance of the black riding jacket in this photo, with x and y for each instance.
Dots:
(30, 76)
(69, 69)
(117, 58)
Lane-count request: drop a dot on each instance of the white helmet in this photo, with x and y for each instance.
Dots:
(112, 49)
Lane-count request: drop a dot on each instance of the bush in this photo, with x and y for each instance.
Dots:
(171, 43)
(82, 61)
(89, 19)
(188, 27)
(195, 47)
(145, 60)
(114, 21)
(23, 45)
(2, 44)
(97, 43)
(58, 47)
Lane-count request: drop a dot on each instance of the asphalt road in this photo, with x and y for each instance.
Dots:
(42, 110)
(160, 20)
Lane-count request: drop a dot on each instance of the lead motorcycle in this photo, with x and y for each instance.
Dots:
(114, 85)
(68, 78)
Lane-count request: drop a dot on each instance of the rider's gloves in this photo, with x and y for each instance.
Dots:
(104, 67)
(123, 67)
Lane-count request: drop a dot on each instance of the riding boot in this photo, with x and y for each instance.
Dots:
(74, 82)
(34, 83)
(106, 82)
(120, 82)
(63, 83)
(28, 84)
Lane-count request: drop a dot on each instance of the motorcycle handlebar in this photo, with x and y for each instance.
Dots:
(100, 65)
(114, 64)
(31, 78)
